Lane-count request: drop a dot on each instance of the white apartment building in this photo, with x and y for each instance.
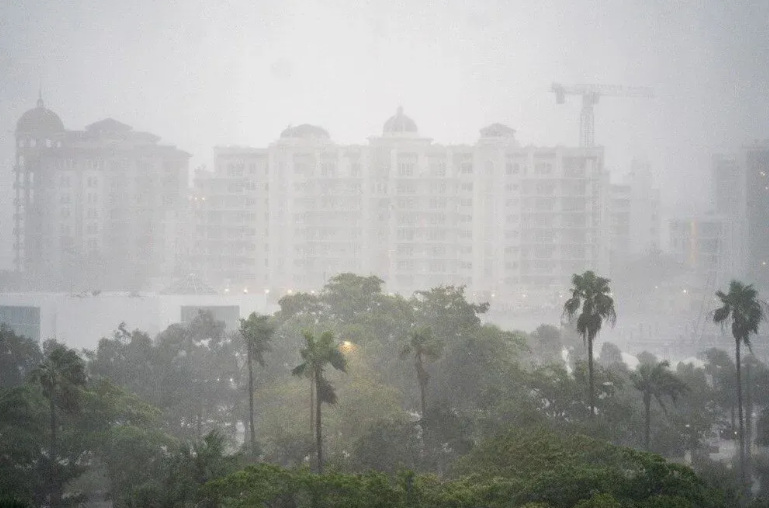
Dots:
(509, 222)
(98, 208)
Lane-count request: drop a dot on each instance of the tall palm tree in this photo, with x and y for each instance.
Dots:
(592, 295)
(317, 354)
(741, 309)
(422, 345)
(60, 375)
(257, 331)
(656, 380)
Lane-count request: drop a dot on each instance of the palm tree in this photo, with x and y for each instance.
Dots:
(592, 294)
(257, 331)
(317, 354)
(60, 375)
(422, 345)
(742, 309)
(655, 380)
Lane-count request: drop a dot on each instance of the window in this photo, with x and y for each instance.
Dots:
(405, 234)
(64, 181)
(466, 168)
(438, 168)
(92, 213)
(64, 199)
(236, 169)
(543, 168)
(92, 228)
(92, 181)
(405, 169)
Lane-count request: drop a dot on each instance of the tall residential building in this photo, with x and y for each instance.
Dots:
(741, 196)
(98, 208)
(510, 222)
(756, 160)
(697, 243)
(634, 215)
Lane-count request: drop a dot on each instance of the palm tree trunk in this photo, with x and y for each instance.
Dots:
(748, 412)
(420, 379)
(252, 431)
(739, 415)
(590, 375)
(647, 420)
(53, 492)
(318, 435)
(312, 405)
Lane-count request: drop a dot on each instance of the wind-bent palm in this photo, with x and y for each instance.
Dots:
(592, 295)
(317, 354)
(656, 381)
(741, 309)
(60, 376)
(422, 345)
(257, 333)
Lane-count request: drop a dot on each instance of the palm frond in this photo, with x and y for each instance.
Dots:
(300, 370)
(337, 360)
(326, 392)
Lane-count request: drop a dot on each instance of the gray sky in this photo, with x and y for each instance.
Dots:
(201, 73)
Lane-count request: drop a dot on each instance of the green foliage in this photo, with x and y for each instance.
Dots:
(656, 381)
(18, 357)
(565, 470)
(546, 344)
(157, 421)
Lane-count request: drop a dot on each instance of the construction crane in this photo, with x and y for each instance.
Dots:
(590, 95)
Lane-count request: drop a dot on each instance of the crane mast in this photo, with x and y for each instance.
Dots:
(591, 93)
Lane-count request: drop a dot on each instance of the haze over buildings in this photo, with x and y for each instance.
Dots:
(478, 181)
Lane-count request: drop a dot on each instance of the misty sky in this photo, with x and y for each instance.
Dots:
(203, 73)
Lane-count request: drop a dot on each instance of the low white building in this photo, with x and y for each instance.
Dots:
(80, 320)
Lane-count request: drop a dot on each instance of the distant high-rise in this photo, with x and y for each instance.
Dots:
(98, 207)
(507, 221)
(756, 160)
(634, 215)
(741, 195)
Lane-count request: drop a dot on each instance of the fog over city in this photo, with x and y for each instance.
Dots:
(202, 74)
(473, 249)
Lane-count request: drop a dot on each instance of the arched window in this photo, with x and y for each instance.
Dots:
(48, 143)
(21, 161)
(32, 142)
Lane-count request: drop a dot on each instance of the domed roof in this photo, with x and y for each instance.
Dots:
(399, 123)
(305, 131)
(497, 130)
(40, 120)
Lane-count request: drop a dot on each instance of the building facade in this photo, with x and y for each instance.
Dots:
(741, 196)
(97, 208)
(507, 221)
(634, 216)
(697, 243)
